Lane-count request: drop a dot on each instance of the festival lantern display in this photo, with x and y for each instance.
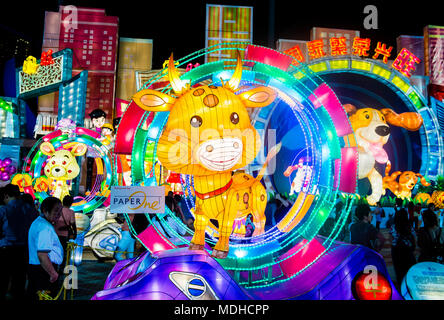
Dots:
(322, 120)
(281, 259)
(6, 169)
(73, 142)
(30, 65)
(62, 165)
(46, 58)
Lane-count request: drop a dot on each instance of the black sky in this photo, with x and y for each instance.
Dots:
(179, 26)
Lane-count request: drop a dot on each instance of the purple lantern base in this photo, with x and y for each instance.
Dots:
(182, 274)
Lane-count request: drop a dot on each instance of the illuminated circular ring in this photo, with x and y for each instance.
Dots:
(432, 154)
(101, 189)
(327, 129)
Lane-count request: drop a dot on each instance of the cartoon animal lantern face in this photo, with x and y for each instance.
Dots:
(405, 184)
(208, 125)
(62, 165)
(209, 135)
(372, 131)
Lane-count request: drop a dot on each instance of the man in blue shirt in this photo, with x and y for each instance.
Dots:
(45, 249)
(16, 217)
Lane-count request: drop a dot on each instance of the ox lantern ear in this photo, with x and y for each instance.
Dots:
(152, 100)
(79, 149)
(258, 97)
(47, 148)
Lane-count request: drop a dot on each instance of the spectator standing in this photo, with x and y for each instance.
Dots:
(378, 212)
(403, 245)
(45, 249)
(363, 232)
(65, 226)
(416, 214)
(411, 212)
(15, 221)
(430, 238)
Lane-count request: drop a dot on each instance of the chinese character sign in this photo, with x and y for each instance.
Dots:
(405, 62)
(361, 46)
(316, 49)
(381, 49)
(338, 46)
(296, 53)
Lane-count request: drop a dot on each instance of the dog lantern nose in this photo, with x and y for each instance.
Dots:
(56, 169)
(382, 130)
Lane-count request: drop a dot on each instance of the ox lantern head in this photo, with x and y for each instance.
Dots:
(208, 129)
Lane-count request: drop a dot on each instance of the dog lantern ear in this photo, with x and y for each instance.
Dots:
(423, 180)
(349, 108)
(47, 148)
(408, 120)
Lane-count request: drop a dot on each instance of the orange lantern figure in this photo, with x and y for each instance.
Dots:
(209, 135)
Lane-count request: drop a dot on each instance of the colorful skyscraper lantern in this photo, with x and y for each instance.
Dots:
(94, 42)
(227, 24)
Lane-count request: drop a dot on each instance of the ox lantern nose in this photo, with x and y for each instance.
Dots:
(382, 130)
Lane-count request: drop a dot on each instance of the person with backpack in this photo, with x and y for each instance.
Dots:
(430, 238)
(403, 245)
(16, 217)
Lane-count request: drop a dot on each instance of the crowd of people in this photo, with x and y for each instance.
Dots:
(415, 234)
(33, 240)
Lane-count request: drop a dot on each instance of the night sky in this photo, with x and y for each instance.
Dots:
(179, 26)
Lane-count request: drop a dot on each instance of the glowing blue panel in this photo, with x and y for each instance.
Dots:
(72, 99)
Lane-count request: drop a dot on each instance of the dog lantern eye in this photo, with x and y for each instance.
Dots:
(367, 116)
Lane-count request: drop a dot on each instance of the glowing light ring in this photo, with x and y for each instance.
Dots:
(165, 117)
(91, 202)
(401, 86)
(328, 197)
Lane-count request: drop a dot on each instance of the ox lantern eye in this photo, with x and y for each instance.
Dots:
(234, 118)
(367, 116)
(196, 121)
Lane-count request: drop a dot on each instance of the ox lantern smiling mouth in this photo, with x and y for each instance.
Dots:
(220, 154)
